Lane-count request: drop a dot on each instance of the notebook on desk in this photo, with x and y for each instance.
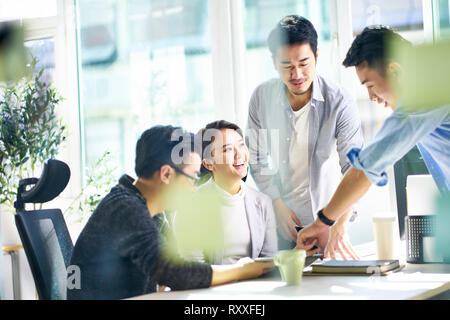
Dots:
(355, 267)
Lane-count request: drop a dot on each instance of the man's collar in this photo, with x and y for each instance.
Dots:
(126, 181)
(317, 91)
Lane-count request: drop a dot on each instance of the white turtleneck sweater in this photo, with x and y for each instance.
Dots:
(237, 241)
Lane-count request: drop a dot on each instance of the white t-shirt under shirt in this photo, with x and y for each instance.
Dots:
(298, 158)
(237, 241)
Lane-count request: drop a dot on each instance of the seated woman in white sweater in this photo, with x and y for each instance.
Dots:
(248, 220)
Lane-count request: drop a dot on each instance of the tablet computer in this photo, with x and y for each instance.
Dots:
(264, 259)
(308, 260)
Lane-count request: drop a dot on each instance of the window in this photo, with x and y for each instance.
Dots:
(44, 51)
(26, 9)
(142, 63)
(442, 20)
(188, 62)
(35, 15)
(402, 15)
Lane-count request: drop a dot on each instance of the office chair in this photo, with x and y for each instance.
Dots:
(44, 234)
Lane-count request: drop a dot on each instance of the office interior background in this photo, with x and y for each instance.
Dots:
(126, 65)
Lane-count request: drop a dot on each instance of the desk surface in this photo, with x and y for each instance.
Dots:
(413, 282)
(408, 283)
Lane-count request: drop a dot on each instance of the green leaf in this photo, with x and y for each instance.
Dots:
(30, 132)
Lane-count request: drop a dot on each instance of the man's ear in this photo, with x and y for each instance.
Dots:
(165, 173)
(393, 70)
(207, 164)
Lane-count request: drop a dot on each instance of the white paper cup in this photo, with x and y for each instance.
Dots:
(385, 237)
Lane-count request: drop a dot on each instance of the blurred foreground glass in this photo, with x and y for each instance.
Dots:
(425, 75)
(198, 226)
(142, 63)
(12, 52)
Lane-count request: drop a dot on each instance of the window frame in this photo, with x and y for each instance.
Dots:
(62, 29)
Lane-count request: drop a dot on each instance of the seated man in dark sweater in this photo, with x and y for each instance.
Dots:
(119, 252)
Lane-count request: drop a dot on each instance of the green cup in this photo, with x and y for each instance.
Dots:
(291, 263)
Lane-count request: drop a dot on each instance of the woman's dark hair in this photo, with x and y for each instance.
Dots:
(372, 46)
(207, 135)
(292, 29)
(162, 145)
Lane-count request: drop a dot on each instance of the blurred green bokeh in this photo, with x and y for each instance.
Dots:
(425, 75)
(13, 57)
(198, 222)
(443, 228)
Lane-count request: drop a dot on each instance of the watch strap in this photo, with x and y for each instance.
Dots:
(324, 219)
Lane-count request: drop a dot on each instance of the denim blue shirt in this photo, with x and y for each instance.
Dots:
(429, 129)
(334, 129)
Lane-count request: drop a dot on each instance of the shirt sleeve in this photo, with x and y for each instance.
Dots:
(137, 235)
(348, 130)
(265, 179)
(147, 243)
(172, 269)
(399, 133)
(178, 273)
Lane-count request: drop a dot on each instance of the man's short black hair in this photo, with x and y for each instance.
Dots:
(372, 46)
(162, 145)
(292, 29)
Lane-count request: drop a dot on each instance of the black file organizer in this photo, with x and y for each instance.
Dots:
(418, 227)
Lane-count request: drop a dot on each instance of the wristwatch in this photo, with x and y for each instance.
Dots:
(324, 219)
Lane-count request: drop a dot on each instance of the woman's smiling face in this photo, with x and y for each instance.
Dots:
(229, 155)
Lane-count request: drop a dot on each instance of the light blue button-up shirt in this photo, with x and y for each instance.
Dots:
(429, 129)
(334, 129)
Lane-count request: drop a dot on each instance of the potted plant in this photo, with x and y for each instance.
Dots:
(100, 176)
(30, 133)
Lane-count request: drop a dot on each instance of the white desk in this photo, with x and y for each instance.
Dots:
(412, 282)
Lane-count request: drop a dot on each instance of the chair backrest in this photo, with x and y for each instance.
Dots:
(54, 178)
(44, 234)
(48, 247)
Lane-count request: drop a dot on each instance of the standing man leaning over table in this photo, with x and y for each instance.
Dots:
(314, 118)
(429, 129)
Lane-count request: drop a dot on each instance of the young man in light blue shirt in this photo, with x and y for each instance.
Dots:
(300, 128)
(429, 129)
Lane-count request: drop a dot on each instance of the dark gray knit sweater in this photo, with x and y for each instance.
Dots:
(120, 251)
